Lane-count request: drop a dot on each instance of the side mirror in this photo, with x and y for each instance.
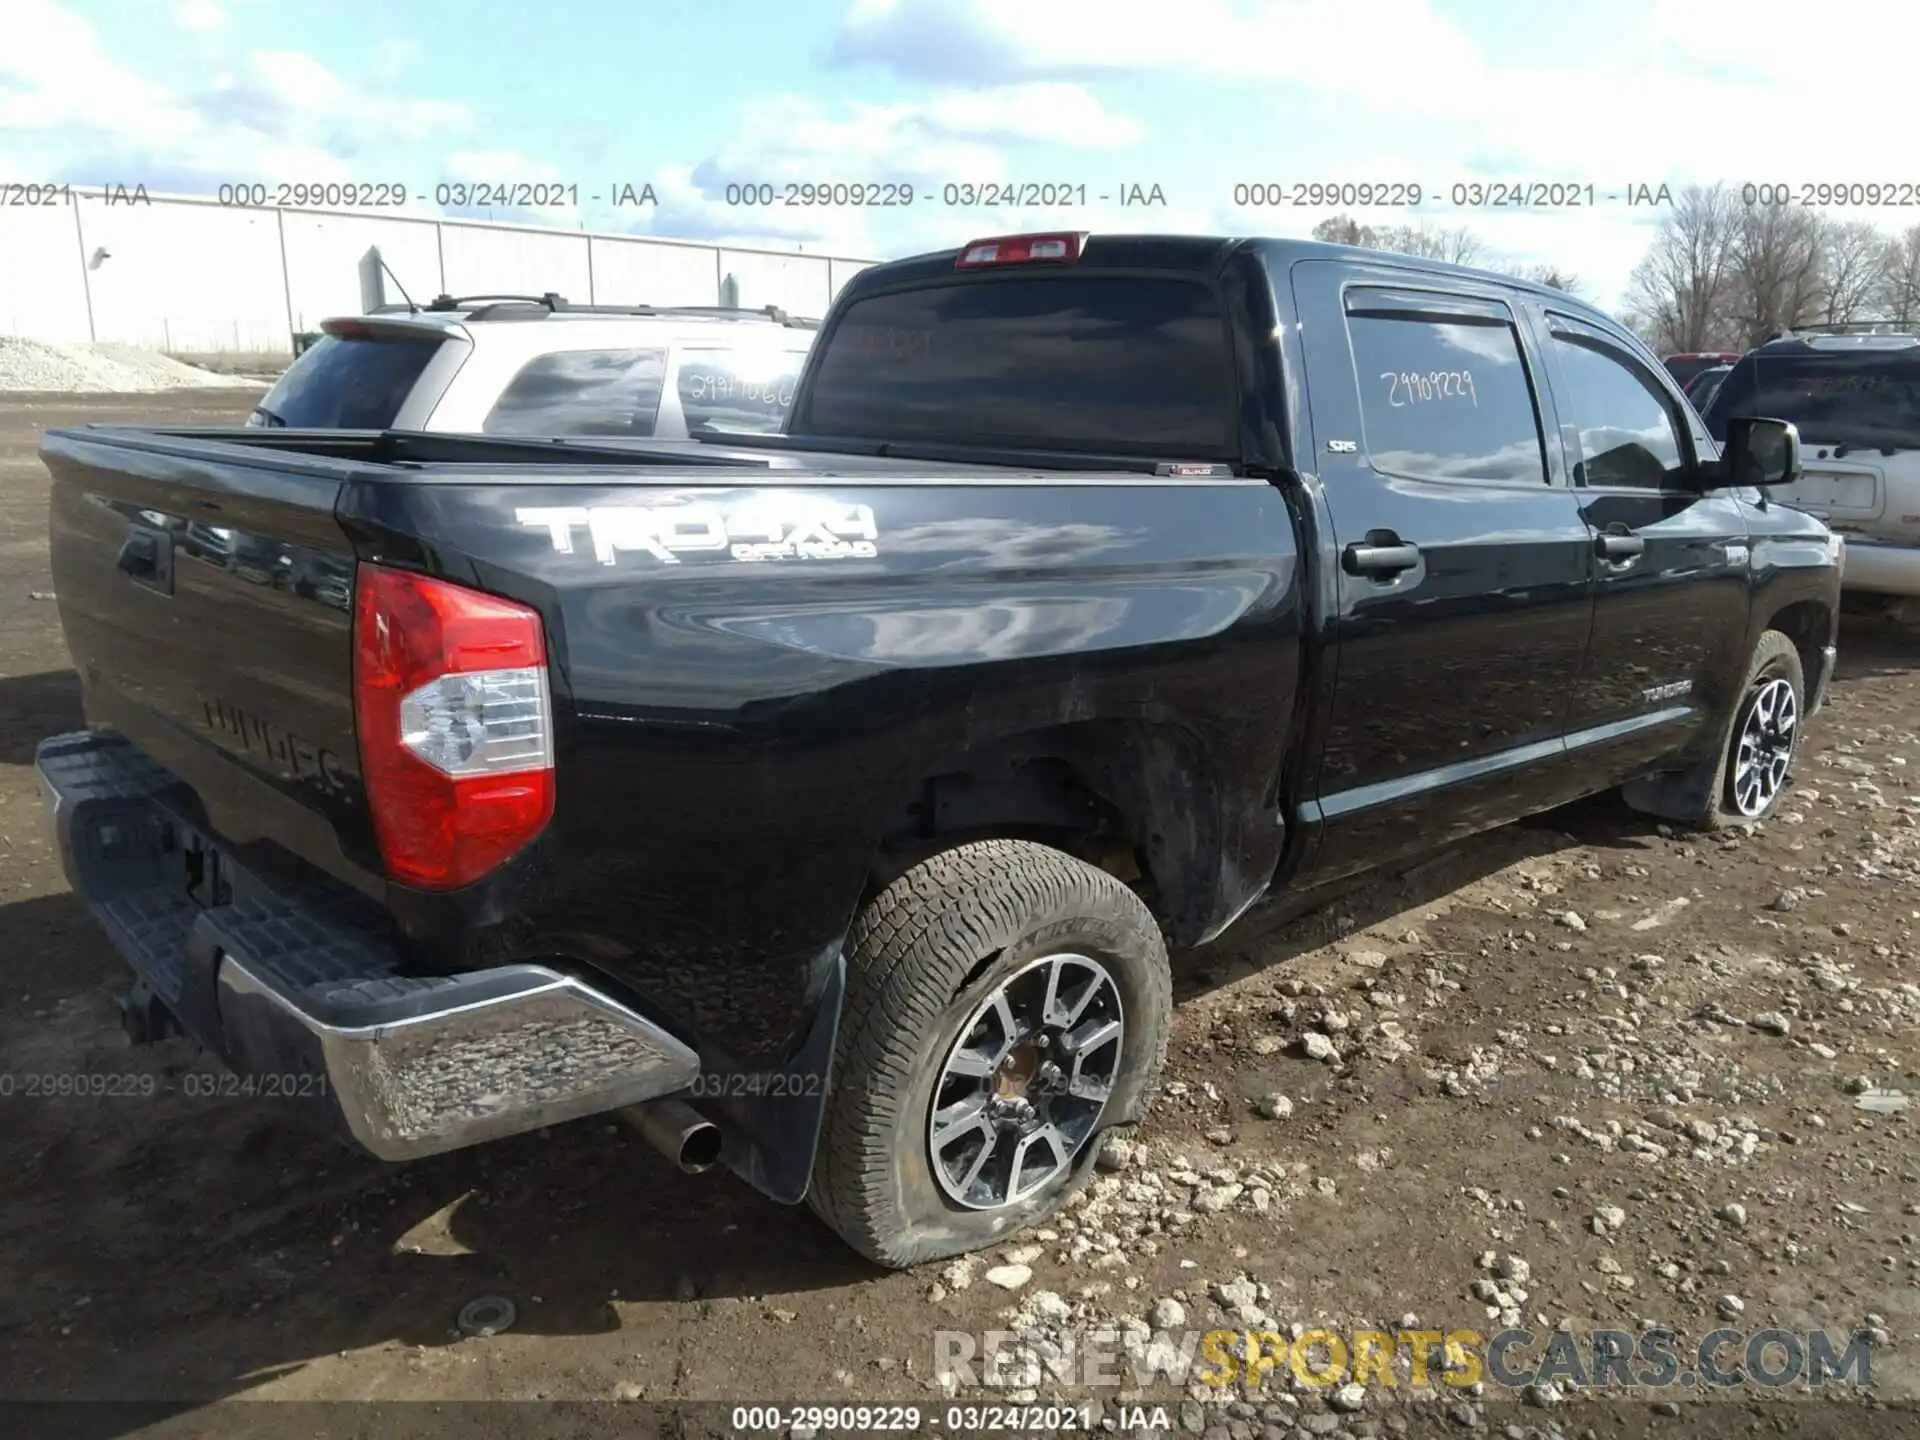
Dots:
(1760, 453)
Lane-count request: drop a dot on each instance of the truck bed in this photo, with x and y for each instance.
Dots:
(718, 723)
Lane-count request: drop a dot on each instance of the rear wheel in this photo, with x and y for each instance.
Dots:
(1007, 1005)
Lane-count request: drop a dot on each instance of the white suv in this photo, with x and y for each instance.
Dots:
(1856, 401)
(536, 365)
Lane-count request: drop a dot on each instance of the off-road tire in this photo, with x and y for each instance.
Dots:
(921, 955)
(1709, 804)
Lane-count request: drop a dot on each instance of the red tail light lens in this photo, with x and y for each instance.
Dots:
(1063, 247)
(455, 725)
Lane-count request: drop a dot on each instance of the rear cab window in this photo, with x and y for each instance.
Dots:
(342, 382)
(1868, 398)
(1084, 362)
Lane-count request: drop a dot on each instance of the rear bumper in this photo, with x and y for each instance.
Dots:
(311, 1001)
(1880, 567)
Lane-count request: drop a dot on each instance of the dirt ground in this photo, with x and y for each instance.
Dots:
(1628, 1057)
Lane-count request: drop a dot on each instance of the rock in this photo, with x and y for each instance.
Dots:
(1216, 1198)
(1235, 1293)
(1607, 1219)
(1730, 1307)
(1859, 1085)
(1773, 1022)
(1268, 1045)
(1316, 1046)
(1791, 898)
(1118, 1155)
(1542, 1396)
(1666, 1408)
(1348, 1398)
(1571, 919)
(1009, 1277)
(1735, 1214)
(1516, 1270)
(629, 1390)
(1274, 1106)
(1047, 1305)
(1022, 1254)
(958, 1275)
(1334, 1022)
(1167, 1314)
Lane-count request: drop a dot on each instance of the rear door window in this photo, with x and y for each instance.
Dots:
(1444, 392)
(582, 392)
(1862, 397)
(348, 383)
(1134, 365)
(739, 391)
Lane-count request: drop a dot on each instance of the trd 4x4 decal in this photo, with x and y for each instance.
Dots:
(795, 529)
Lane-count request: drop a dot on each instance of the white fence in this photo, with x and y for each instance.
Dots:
(191, 276)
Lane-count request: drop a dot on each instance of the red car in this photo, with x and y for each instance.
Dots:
(1684, 367)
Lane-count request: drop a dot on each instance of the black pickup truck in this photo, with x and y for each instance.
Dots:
(827, 803)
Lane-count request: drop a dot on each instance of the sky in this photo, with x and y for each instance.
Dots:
(1177, 107)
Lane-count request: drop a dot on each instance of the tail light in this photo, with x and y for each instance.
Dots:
(455, 725)
(1061, 248)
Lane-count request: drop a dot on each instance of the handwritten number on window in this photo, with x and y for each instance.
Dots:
(1419, 387)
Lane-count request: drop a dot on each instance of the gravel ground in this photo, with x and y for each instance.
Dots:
(1582, 1074)
(36, 365)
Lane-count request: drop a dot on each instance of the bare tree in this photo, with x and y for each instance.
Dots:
(1458, 246)
(1778, 279)
(1899, 299)
(1546, 274)
(1679, 290)
(1345, 230)
(1854, 265)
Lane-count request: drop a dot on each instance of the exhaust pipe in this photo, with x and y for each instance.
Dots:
(677, 1131)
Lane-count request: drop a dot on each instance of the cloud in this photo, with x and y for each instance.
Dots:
(70, 110)
(1394, 44)
(203, 17)
(391, 56)
(905, 153)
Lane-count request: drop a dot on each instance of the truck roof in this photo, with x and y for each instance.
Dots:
(1200, 254)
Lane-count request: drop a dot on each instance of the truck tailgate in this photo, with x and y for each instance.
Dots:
(207, 606)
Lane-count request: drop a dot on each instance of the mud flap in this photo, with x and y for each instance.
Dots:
(770, 1123)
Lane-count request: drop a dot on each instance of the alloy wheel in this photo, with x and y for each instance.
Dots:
(1765, 748)
(1022, 1090)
